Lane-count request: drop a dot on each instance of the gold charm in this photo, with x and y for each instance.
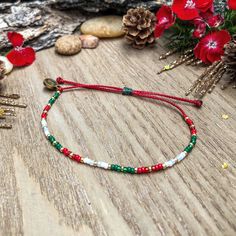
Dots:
(11, 102)
(50, 84)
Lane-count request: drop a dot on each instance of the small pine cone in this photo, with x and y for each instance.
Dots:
(139, 25)
(229, 58)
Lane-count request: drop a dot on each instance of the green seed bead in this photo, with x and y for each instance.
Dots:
(113, 167)
(51, 101)
(131, 170)
(125, 169)
(56, 95)
(51, 139)
(194, 139)
(58, 146)
(118, 168)
(188, 149)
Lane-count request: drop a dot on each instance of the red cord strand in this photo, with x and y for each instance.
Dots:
(138, 93)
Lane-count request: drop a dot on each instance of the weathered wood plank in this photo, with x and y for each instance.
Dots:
(42, 193)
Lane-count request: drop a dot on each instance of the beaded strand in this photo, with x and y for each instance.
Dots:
(124, 91)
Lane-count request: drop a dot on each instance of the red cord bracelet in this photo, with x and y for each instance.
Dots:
(56, 85)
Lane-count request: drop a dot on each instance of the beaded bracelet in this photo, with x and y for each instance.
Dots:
(55, 85)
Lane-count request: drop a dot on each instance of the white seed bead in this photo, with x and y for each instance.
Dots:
(44, 122)
(89, 161)
(46, 131)
(103, 164)
(181, 156)
(170, 163)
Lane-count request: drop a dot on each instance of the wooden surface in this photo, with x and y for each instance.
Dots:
(43, 193)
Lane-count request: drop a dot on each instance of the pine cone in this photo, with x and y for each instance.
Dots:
(139, 25)
(229, 58)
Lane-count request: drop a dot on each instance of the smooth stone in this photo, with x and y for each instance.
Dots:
(8, 67)
(89, 41)
(68, 45)
(103, 27)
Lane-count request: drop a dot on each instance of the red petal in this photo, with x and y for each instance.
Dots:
(215, 21)
(232, 4)
(21, 56)
(224, 37)
(214, 56)
(165, 15)
(159, 30)
(15, 58)
(204, 5)
(15, 38)
(29, 55)
(203, 53)
(200, 52)
(200, 29)
(183, 12)
(197, 51)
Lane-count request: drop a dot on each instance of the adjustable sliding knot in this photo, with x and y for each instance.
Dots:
(127, 91)
(198, 103)
(60, 80)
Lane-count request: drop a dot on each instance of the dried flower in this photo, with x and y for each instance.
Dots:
(20, 56)
(190, 9)
(211, 47)
(165, 19)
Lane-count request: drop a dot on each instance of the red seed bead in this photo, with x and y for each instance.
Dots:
(47, 108)
(66, 152)
(139, 170)
(159, 166)
(44, 115)
(189, 122)
(142, 170)
(156, 167)
(193, 131)
(76, 157)
(153, 168)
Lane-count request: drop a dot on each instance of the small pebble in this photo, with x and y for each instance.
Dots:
(225, 165)
(103, 27)
(89, 41)
(68, 45)
(225, 116)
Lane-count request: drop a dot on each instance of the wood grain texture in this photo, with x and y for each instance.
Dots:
(43, 193)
